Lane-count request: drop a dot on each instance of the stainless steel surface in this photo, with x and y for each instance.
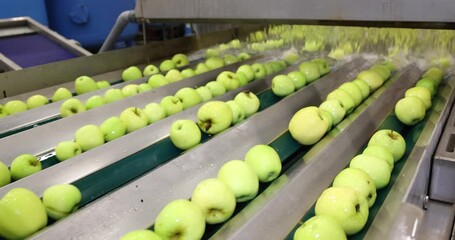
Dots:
(411, 185)
(301, 185)
(135, 205)
(437, 222)
(406, 224)
(7, 64)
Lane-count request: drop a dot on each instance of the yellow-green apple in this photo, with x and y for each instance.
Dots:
(312, 46)
(211, 53)
(61, 200)
(134, 119)
(214, 62)
(67, 149)
(248, 71)
(157, 80)
(94, 101)
(89, 136)
(265, 161)
(215, 199)
(180, 60)
(84, 84)
(230, 59)
(173, 75)
(242, 78)
(216, 88)
(112, 95)
(420, 92)
(353, 91)
(282, 64)
(5, 175)
(282, 85)
(142, 234)
(358, 180)
(382, 70)
(36, 101)
(144, 87)
(205, 93)
(391, 140)
(22, 214)
(3, 112)
(214, 117)
(324, 66)
(291, 58)
(61, 94)
(259, 70)
(363, 86)
(185, 134)
(307, 125)
(154, 112)
(335, 108)
(268, 68)
(298, 78)
(372, 78)
(131, 73)
(103, 84)
(310, 70)
(167, 65)
(410, 110)
(201, 68)
(71, 106)
(378, 169)
(320, 228)
(238, 114)
(187, 73)
(229, 80)
(130, 90)
(428, 84)
(240, 177)
(344, 97)
(391, 66)
(15, 106)
(276, 66)
(345, 205)
(113, 128)
(150, 69)
(248, 101)
(434, 73)
(244, 56)
(327, 116)
(24, 165)
(171, 105)
(180, 219)
(235, 43)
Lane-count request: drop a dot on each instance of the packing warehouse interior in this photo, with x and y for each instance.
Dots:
(211, 119)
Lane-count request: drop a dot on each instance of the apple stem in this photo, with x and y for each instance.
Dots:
(357, 207)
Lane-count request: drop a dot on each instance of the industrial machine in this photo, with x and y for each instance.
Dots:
(125, 183)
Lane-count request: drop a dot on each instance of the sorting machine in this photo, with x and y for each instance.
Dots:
(125, 183)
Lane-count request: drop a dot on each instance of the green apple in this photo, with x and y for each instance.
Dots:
(180, 60)
(89, 137)
(130, 90)
(282, 85)
(381, 153)
(144, 87)
(141, 235)
(131, 73)
(268, 68)
(113, 128)
(282, 64)
(216, 88)
(229, 80)
(214, 62)
(36, 101)
(291, 58)
(84, 84)
(434, 73)
(61, 200)
(157, 80)
(154, 112)
(298, 78)
(265, 161)
(24, 165)
(3, 112)
(201, 68)
(134, 119)
(94, 101)
(15, 106)
(244, 56)
(248, 71)
(358, 180)
(353, 91)
(5, 175)
(372, 78)
(391, 66)
(242, 78)
(235, 43)
(214, 117)
(347, 206)
(171, 105)
(71, 106)
(216, 200)
(230, 59)
(307, 126)
(211, 53)
(103, 84)
(335, 109)
(167, 65)
(238, 114)
(428, 84)
(410, 110)
(312, 46)
(150, 69)
(324, 66)
(276, 66)
(112, 95)
(363, 86)
(205, 93)
(185, 134)
(422, 93)
(61, 94)
(22, 214)
(259, 70)
(248, 101)
(382, 70)
(180, 219)
(310, 70)
(391, 140)
(173, 75)
(344, 97)
(240, 177)
(327, 116)
(378, 169)
(67, 149)
(187, 73)
(320, 228)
